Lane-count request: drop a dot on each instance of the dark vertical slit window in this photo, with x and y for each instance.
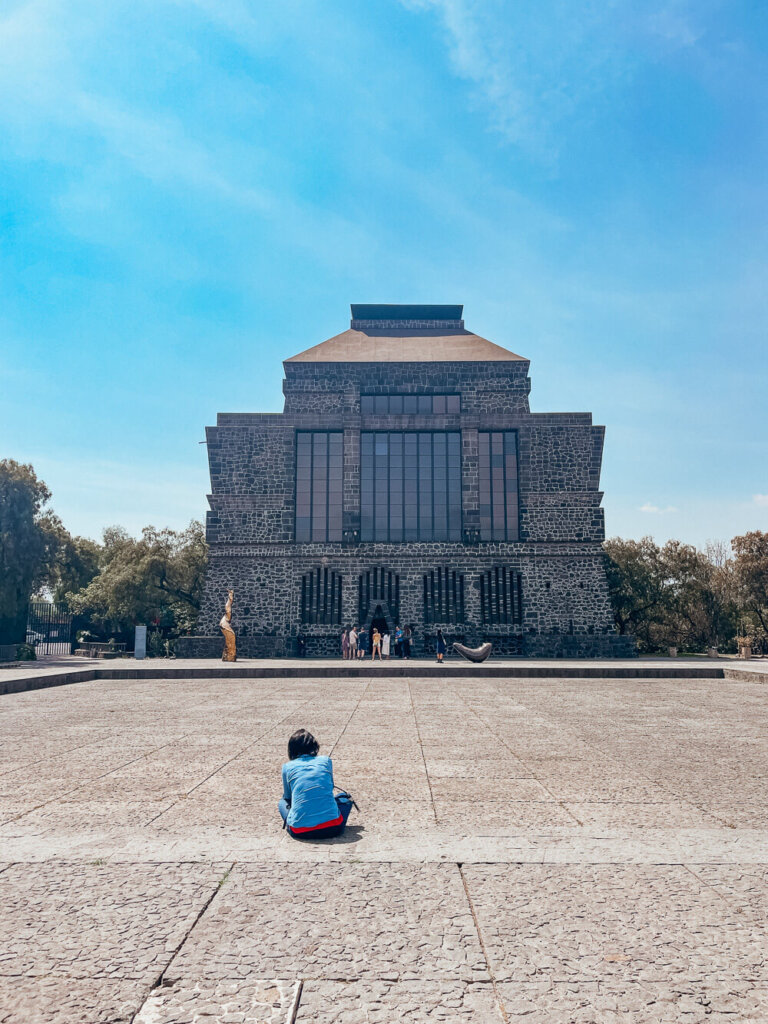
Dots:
(498, 485)
(443, 596)
(410, 486)
(501, 596)
(319, 483)
(321, 597)
(379, 586)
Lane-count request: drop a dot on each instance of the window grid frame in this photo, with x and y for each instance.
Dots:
(510, 520)
(367, 399)
(309, 477)
(417, 450)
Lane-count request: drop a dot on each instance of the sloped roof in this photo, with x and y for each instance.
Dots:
(392, 345)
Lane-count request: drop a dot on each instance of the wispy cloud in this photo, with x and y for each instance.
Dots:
(535, 69)
(656, 510)
(760, 499)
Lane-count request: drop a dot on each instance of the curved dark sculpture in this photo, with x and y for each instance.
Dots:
(473, 653)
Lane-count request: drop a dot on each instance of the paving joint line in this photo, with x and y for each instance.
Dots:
(593, 746)
(231, 759)
(96, 778)
(708, 885)
(354, 710)
(104, 739)
(491, 975)
(161, 977)
(104, 775)
(261, 736)
(294, 1010)
(558, 801)
(421, 750)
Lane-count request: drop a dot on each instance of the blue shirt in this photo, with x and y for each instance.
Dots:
(308, 786)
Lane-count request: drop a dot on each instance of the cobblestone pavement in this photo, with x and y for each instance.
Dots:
(535, 851)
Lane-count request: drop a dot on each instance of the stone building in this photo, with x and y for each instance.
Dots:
(407, 482)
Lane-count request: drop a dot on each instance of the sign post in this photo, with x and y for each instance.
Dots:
(140, 642)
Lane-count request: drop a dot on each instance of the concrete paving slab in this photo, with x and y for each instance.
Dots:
(237, 1001)
(592, 819)
(91, 920)
(603, 923)
(69, 1000)
(336, 922)
(382, 1002)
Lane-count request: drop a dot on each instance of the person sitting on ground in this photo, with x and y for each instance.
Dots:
(309, 808)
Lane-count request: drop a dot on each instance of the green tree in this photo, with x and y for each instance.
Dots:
(698, 606)
(671, 595)
(636, 582)
(76, 562)
(28, 542)
(751, 571)
(157, 579)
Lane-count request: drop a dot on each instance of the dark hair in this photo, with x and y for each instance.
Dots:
(302, 742)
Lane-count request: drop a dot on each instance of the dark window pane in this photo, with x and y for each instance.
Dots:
(410, 404)
(381, 405)
(453, 404)
(396, 404)
(366, 404)
(438, 404)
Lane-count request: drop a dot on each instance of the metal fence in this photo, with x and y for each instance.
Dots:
(49, 628)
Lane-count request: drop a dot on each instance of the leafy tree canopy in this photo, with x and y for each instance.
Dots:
(157, 579)
(672, 594)
(28, 541)
(751, 570)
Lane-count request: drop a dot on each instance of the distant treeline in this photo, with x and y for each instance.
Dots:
(693, 599)
(670, 595)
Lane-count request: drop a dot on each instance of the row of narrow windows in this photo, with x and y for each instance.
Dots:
(408, 405)
(501, 599)
(410, 485)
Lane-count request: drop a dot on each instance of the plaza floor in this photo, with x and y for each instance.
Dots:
(534, 850)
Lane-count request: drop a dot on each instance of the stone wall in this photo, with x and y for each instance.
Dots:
(564, 591)
(251, 522)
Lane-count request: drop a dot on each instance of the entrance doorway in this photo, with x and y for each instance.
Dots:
(379, 620)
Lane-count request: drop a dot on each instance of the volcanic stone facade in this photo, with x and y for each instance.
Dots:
(557, 604)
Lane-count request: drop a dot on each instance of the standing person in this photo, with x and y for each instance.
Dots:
(399, 642)
(310, 807)
(385, 642)
(345, 644)
(362, 642)
(375, 644)
(440, 646)
(407, 637)
(353, 643)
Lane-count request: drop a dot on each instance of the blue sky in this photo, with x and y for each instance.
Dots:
(192, 191)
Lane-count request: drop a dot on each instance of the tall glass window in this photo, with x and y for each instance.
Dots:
(319, 482)
(410, 486)
(498, 485)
